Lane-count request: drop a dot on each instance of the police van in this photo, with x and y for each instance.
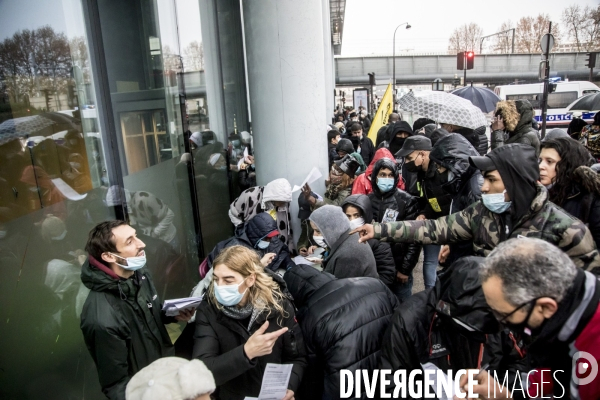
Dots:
(565, 94)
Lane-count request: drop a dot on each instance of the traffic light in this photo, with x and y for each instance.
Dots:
(460, 61)
(590, 60)
(372, 78)
(470, 59)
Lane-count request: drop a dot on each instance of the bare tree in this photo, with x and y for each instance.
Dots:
(502, 43)
(194, 57)
(171, 61)
(572, 18)
(33, 61)
(464, 38)
(530, 31)
(583, 26)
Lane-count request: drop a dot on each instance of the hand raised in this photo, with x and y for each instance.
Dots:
(261, 343)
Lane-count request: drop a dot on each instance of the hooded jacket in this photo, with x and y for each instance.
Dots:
(382, 252)
(343, 321)
(517, 116)
(452, 152)
(425, 330)
(484, 143)
(584, 201)
(249, 234)
(407, 208)
(219, 342)
(122, 325)
(362, 183)
(392, 143)
(347, 258)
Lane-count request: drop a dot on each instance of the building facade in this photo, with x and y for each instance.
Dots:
(98, 101)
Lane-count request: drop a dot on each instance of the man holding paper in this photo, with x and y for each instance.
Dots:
(122, 322)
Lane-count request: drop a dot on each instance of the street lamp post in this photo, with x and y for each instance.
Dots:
(394, 58)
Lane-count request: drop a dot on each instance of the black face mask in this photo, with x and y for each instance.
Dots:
(411, 167)
(396, 145)
(522, 328)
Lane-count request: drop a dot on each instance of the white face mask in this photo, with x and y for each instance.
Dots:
(263, 244)
(356, 222)
(133, 263)
(320, 241)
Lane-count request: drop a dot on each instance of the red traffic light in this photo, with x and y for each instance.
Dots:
(470, 54)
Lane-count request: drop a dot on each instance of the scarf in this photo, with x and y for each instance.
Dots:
(242, 312)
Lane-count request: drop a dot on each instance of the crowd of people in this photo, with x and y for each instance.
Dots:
(509, 231)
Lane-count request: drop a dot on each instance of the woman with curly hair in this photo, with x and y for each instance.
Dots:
(247, 321)
(567, 171)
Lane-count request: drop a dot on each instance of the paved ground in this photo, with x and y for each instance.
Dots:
(418, 283)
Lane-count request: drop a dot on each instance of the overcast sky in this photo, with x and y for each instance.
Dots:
(369, 25)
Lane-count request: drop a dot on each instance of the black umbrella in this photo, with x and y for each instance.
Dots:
(590, 102)
(482, 98)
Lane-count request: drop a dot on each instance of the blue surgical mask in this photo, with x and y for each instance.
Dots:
(263, 244)
(133, 263)
(495, 202)
(385, 184)
(229, 295)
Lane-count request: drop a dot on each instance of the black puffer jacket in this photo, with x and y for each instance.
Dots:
(219, 342)
(452, 152)
(407, 207)
(435, 201)
(343, 321)
(421, 330)
(122, 324)
(249, 234)
(382, 252)
(584, 202)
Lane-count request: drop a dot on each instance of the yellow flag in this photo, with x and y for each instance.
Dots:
(383, 112)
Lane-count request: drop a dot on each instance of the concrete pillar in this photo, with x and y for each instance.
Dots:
(328, 65)
(285, 57)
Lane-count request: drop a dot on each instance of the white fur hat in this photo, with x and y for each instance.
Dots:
(171, 378)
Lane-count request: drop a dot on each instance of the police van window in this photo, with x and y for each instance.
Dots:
(589, 91)
(561, 99)
(533, 98)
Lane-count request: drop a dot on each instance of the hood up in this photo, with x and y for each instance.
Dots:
(452, 152)
(277, 190)
(362, 202)
(462, 297)
(379, 154)
(384, 163)
(332, 222)
(345, 145)
(259, 227)
(394, 143)
(517, 114)
(519, 170)
(303, 281)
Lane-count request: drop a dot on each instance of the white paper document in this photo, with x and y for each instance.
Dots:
(441, 396)
(313, 175)
(275, 382)
(173, 306)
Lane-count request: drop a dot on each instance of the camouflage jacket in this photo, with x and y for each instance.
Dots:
(476, 223)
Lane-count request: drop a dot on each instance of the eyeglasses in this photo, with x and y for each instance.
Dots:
(502, 317)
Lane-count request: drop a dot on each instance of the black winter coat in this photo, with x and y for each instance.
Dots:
(405, 255)
(219, 342)
(343, 321)
(123, 325)
(382, 251)
(420, 333)
(436, 201)
(452, 152)
(367, 149)
(484, 143)
(584, 201)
